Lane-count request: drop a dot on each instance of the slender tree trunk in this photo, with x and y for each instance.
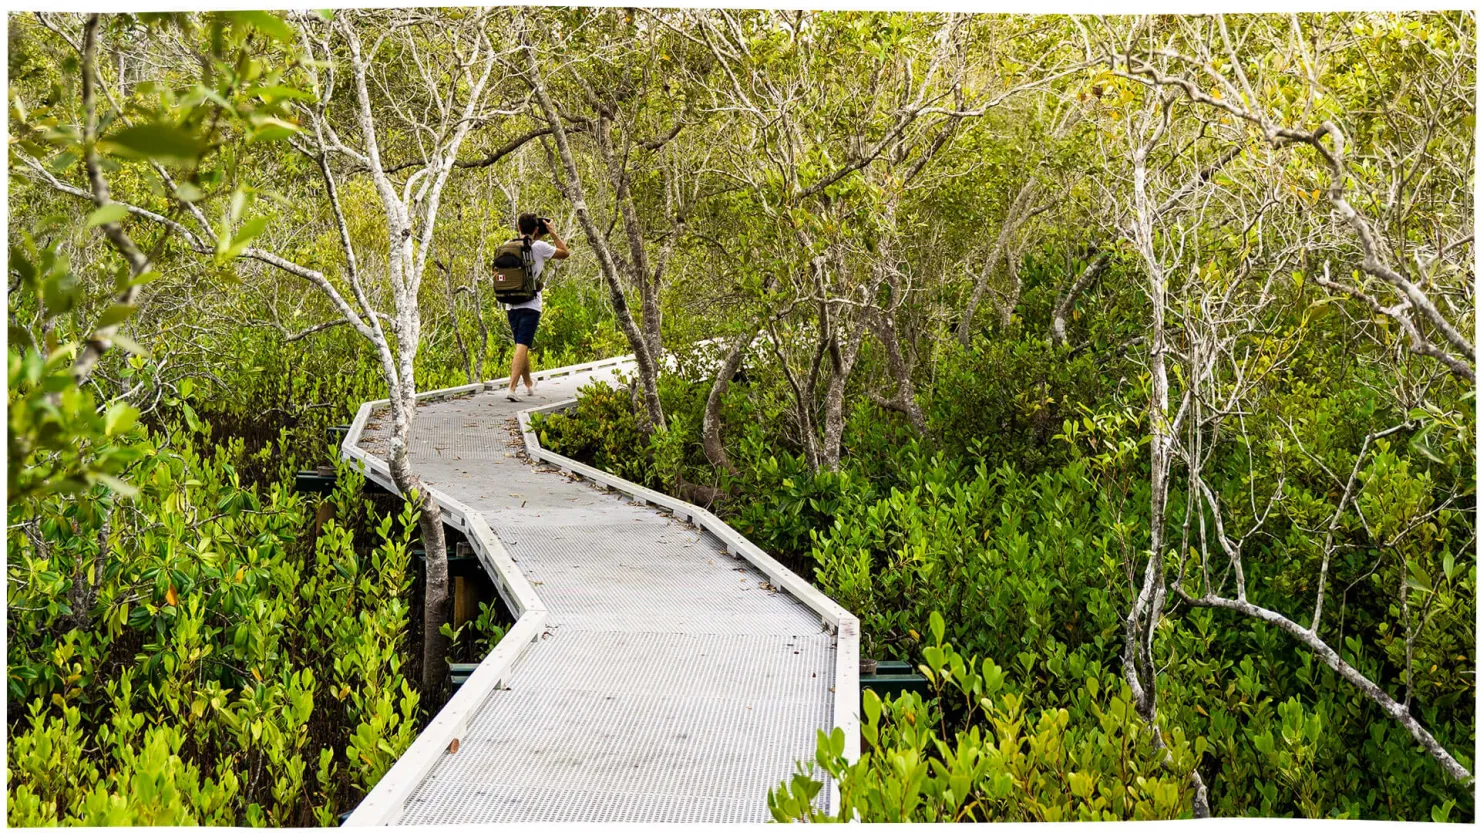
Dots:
(642, 275)
(100, 341)
(478, 311)
(904, 398)
(1065, 302)
(802, 396)
(1140, 623)
(714, 447)
(437, 601)
(473, 375)
(1019, 208)
(834, 419)
(84, 589)
(1139, 656)
(647, 363)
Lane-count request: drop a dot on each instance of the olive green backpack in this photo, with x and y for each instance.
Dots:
(513, 272)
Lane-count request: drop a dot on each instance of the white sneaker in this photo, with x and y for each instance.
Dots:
(509, 395)
(529, 389)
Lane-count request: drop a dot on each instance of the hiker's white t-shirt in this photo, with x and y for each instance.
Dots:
(540, 251)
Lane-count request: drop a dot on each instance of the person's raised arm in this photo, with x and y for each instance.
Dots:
(561, 252)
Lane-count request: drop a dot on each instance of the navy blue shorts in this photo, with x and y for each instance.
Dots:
(524, 322)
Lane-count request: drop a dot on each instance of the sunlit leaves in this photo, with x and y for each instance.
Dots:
(265, 22)
(158, 141)
(110, 213)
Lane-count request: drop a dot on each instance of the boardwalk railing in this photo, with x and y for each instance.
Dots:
(387, 801)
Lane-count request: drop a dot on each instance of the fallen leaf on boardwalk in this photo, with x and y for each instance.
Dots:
(452, 747)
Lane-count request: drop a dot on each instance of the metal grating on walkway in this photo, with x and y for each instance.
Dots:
(668, 680)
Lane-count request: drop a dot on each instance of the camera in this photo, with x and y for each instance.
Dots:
(544, 223)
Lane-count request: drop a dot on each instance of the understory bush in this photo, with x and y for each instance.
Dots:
(196, 654)
(190, 640)
(975, 751)
(1024, 532)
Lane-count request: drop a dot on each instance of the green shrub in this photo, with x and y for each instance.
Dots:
(987, 758)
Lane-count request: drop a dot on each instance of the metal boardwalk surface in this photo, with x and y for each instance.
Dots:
(670, 682)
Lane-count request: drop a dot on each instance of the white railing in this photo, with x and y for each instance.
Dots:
(387, 801)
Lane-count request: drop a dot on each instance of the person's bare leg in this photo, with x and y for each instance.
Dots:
(520, 366)
(528, 380)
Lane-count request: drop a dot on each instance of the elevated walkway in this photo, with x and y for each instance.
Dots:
(662, 668)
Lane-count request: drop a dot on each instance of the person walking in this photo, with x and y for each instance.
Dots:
(524, 316)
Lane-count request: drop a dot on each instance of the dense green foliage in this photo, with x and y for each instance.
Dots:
(1089, 759)
(1030, 563)
(196, 652)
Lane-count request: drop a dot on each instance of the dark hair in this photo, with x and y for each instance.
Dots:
(528, 223)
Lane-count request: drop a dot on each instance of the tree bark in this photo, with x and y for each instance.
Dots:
(101, 339)
(641, 274)
(647, 364)
(437, 601)
(1065, 302)
(714, 447)
(1021, 206)
(900, 369)
(456, 325)
(834, 421)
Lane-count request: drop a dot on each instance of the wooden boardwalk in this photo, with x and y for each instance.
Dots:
(662, 668)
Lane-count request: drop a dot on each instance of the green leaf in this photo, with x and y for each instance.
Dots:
(129, 345)
(62, 162)
(120, 418)
(115, 314)
(144, 278)
(158, 141)
(60, 293)
(1418, 578)
(188, 192)
(272, 129)
(243, 238)
(276, 92)
(110, 213)
(114, 483)
(22, 265)
(268, 24)
(239, 201)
